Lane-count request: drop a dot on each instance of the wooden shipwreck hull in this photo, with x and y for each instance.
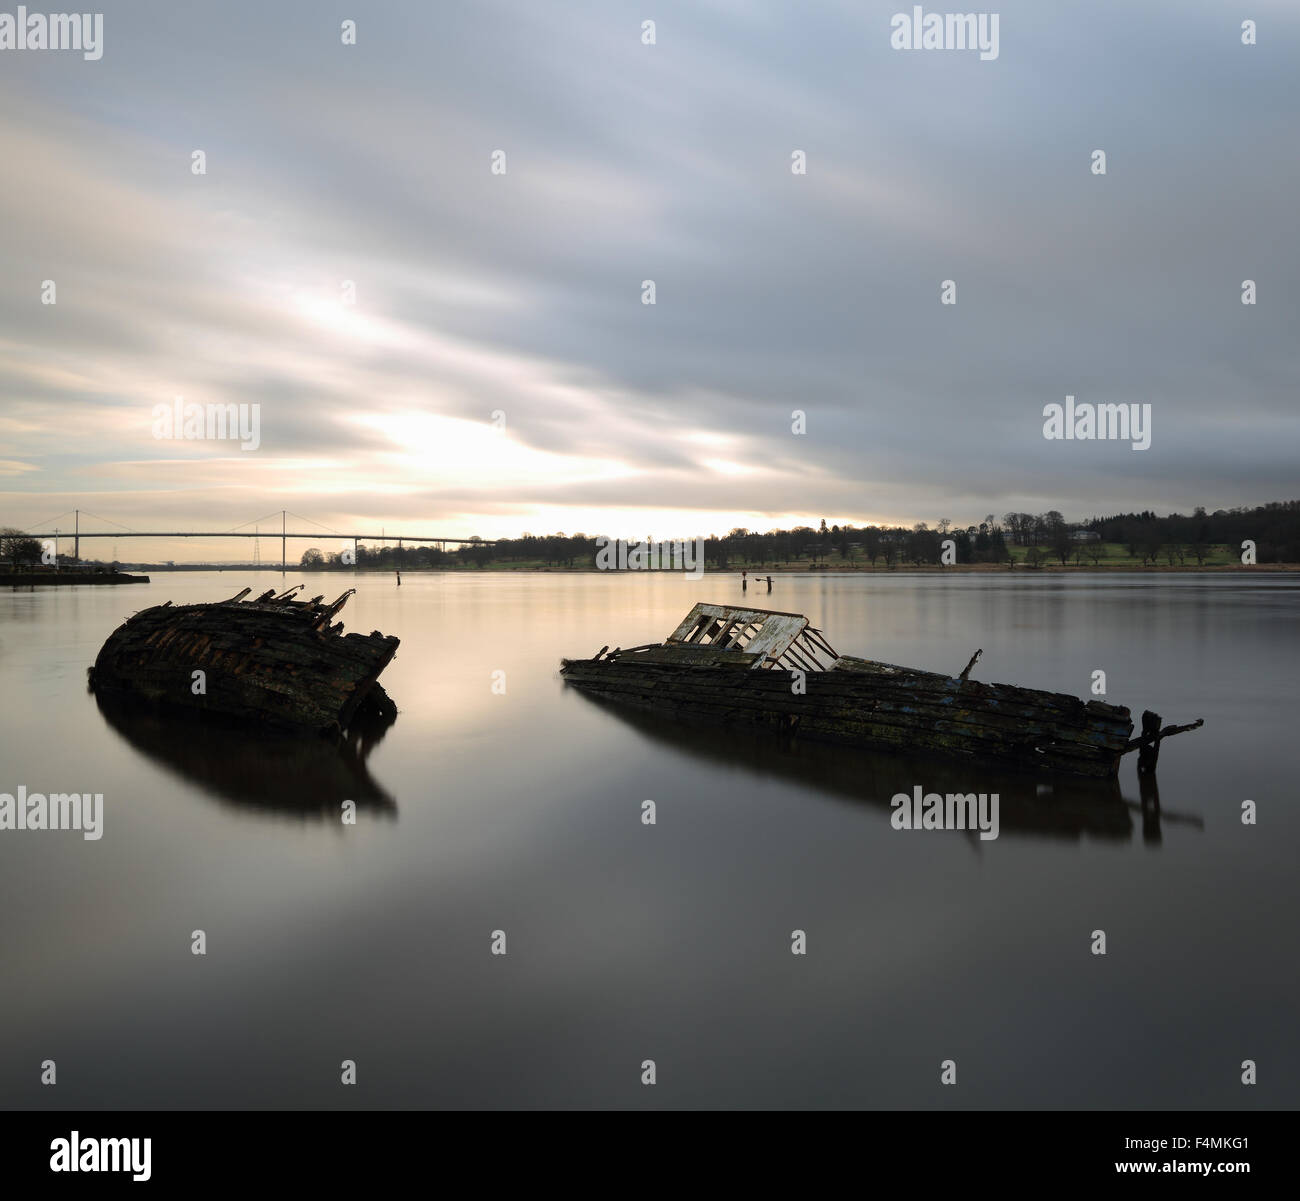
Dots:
(732, 665)
(273, 660)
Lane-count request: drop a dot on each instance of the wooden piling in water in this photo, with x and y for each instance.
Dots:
(1149, 752)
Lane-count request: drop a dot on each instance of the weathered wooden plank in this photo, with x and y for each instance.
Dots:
(690, 654)
(849, 710)
(843, 690)
(971, 724)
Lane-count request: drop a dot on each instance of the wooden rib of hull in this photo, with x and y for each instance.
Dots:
(880, 706)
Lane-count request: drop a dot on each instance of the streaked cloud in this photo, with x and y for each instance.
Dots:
(521, 293)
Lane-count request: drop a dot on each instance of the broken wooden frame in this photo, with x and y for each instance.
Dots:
(768, 637)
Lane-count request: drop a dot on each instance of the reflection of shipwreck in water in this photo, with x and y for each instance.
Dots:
(1055, 806)
(279, 773)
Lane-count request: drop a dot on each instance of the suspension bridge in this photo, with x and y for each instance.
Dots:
(284, 534)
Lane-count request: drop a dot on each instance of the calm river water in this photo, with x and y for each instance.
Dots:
(522, 812)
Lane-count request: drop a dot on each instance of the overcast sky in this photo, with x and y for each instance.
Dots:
(522, 292)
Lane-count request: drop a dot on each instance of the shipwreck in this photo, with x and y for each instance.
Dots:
(730, 665)
(274, 661)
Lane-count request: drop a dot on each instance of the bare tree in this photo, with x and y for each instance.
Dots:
(17, 548)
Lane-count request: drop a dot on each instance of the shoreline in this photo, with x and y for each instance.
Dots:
(755, 574)
(42, 579)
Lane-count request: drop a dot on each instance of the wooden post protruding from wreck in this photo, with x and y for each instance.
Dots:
(1149, 752)
(966, 670)
(1147, 744)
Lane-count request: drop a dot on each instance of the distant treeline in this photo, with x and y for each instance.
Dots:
(1028, 538)
(1274, 528)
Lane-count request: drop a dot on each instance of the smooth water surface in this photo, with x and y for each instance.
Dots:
(522, 812)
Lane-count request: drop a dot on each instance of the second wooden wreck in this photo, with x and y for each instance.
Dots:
(733, 665)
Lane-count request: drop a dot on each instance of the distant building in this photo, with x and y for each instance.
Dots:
(1086, 536)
